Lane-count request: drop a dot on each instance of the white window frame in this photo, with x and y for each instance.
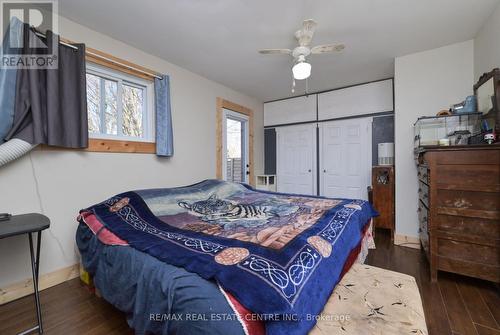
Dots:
(245, 120)
(148, 115)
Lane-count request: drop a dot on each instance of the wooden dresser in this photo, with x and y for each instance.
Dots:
(459, 209)
(383, 196)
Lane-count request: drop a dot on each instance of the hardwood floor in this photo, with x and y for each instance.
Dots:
(454, 305)
(67, 309)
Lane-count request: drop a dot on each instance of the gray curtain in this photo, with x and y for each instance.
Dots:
(164, 132)
(51, 104)
(8, 78)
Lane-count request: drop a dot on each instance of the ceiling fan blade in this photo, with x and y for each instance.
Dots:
(275, 51)
(325, 48)
(305, 35)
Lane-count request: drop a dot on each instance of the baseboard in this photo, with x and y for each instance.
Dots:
(24, 288)
(407, 241)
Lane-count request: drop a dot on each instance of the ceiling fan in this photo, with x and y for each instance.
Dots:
(301, 68)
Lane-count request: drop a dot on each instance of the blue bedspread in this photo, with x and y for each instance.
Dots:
(158, 298)
(279, 255)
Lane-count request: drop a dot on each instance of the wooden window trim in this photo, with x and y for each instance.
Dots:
(221, 104)
(110, 145)
(106, 145)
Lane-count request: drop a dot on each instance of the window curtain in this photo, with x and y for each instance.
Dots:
(51, 104)
(8, 78)
(164, 132)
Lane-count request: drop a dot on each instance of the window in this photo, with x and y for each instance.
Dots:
(120, 106)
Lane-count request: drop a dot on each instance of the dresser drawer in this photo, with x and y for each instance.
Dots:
(469, 226)
(473, 200)
(469, 177)
(489, 272)
(423, 174)
(470, 252)
(423, 192)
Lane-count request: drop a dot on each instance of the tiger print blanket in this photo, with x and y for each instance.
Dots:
(280, 255)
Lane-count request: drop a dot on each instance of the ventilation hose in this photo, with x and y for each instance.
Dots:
(13, 149)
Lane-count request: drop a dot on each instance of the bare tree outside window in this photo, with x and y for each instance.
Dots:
(93, 102)
(111, 114)
(109, 117)
(132, 111)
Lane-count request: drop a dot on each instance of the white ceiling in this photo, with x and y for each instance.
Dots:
(219, 39)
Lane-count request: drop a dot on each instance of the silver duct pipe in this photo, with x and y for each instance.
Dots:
(13, 149)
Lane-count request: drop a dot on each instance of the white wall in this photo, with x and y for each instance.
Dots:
(486, 46)
(71, 180)
(425, 83)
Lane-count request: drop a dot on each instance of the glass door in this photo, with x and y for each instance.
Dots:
(235, 166)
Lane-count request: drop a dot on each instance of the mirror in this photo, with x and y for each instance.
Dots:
(487, 91)
(485, 96)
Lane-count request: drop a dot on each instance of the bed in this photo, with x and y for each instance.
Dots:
(219, 257)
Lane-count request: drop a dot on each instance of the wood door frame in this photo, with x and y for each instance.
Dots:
(226, 104)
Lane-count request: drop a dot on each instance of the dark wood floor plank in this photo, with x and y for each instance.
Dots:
(477, 308)
(482, 330)
(460, 320)
(491, 296)
(67, 308)
(434, 308)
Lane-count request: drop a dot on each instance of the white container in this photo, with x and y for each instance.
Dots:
(386, 154)
(444, 142)
(266, 182)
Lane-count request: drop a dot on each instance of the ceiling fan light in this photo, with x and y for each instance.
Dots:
(301, 70)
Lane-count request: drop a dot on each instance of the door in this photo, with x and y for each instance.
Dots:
(345, 158)
(296, 159)
(235, 163)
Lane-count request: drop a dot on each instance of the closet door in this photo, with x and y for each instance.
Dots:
(296, 159)
(345, 158)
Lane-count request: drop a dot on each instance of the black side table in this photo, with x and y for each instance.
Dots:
(29, 224)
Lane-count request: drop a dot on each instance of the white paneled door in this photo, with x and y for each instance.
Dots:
(296, 159)
(345, 158)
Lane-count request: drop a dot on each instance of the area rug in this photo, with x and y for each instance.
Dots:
(371, 300)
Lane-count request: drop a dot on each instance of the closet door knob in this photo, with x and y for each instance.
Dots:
(324, 170)
(309, 170)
